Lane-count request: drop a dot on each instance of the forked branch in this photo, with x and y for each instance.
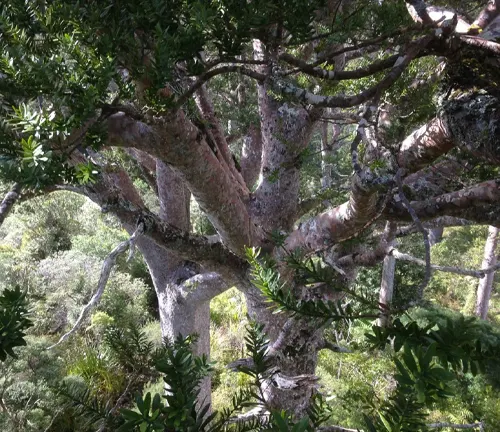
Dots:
(107, 266)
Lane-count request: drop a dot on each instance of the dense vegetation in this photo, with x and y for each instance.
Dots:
(52, 247)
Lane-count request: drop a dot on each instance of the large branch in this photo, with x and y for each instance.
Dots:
(175, 140)
(475, 113)
(440, 222)
(418, 11)
(470, 203)
(372, 68)
(212, 256)
(479, 426)
(206, 76)
(214, 128)
(203, 287)
(342, 222)
(488, 14)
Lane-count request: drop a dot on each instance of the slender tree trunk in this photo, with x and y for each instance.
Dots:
(486, 283)
(327, 154)
(386, 289)
(8, 201)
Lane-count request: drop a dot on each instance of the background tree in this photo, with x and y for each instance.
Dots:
(486, 284)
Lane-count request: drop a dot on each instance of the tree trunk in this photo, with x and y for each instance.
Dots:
(435, 235)
(326, 167)
(8, 201)
(386, 289)
(486, 283)
(295, 343)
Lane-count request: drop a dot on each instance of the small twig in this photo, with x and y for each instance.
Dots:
(421, 228)
(107, 266)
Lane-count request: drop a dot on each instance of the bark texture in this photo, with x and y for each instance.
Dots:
(8, 201)
(486, 283)
(184, 152)
(386, 289)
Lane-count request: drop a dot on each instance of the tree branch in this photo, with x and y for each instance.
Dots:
(487, 15)
(479, 425)
(400, 65)
(326, 55)
(440, 222)
(107, 266)
(371, 69)
(334, 347)
(337, 429)
(447, 269)
(472, 200)
(203, 78)
(425, 235)
(175, 140)
(203, 287)
(214, 127)
(418, 11)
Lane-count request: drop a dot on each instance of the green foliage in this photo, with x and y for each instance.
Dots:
(428, 360)
(13, 321)
(266, 278)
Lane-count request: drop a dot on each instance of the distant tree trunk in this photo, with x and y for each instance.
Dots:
(251, 155)
(326, 169)
(435, 235)
(386, 289)
(486, 283)
(8, 201)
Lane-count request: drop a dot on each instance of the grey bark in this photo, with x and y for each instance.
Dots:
(8, 201)
(251, 155)
(327, 151)
(486, 283)
(386, 289)
(435, 235)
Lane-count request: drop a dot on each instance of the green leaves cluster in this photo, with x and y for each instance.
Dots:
(428, 361)
(457, 343)
(13, 321)
(267, 279)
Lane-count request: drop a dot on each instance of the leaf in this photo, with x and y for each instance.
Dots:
(386, 422)
(302, 425)
(280, 422)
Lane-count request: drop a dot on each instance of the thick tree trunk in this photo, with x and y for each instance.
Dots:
(486, 283)
(295, 343)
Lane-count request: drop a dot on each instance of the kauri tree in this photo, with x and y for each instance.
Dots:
(219, 101)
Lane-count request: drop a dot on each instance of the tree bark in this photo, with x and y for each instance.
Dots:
(486, 283)
(386, 289)
(251, 155)
(435, 235)
(8, 201)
